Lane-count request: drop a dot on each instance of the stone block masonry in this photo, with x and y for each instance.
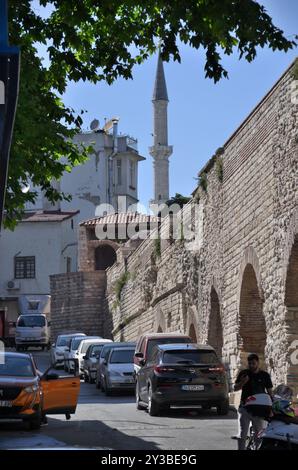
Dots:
(238, 290)
(78, 302)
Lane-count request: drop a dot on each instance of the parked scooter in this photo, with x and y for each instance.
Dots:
(282, 430)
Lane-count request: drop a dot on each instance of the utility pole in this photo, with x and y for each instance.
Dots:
(9, 90)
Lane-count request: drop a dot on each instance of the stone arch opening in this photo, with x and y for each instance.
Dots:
(291, 303)
(159, 329)
(215, 332)
(192, 333)
(252, 328)
(105, 256)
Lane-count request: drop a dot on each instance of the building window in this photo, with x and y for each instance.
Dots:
(132, 174)
(119, 172)
(24, 267)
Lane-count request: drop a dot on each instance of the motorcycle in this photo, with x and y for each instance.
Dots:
(282, 430)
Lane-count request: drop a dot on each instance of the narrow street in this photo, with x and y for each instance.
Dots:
(114, 423)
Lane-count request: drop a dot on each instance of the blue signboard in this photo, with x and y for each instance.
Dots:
(9, 88)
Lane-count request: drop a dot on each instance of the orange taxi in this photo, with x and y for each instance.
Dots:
(27, 394)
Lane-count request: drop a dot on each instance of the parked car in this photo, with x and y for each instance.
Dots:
(88, 363)
(104, 357)
(76, 351)
(28, 395)
(182, 375)
(147, 342)
(32, 330)
(59, 347)
(117, 370)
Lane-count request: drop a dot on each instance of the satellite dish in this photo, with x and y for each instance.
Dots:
(94, 125)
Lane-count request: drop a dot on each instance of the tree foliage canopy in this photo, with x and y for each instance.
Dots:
(102, 40)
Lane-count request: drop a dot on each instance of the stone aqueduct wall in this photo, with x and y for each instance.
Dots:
(239, 288)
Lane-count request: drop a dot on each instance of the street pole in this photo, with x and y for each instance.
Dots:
(9, 90)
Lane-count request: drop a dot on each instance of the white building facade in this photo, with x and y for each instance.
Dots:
(42, 244)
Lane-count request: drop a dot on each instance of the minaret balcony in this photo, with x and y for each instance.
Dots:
(161, 152)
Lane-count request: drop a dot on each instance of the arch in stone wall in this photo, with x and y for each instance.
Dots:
(215, 329)
(192, 324)
(249, 257)
(251, 320)
(102, 253)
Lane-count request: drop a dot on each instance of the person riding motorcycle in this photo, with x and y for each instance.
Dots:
(251, 381)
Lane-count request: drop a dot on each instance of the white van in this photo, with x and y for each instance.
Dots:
(32, 330)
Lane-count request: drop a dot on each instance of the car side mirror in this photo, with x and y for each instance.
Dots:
(142, 362)
(52, 376)
(67, 349)
(85, 357)
(139, 355)
(105, 362)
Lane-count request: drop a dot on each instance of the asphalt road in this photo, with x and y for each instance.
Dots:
(114, 423)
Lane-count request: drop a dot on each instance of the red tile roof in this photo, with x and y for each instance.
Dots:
(48, 216)
(121, 218)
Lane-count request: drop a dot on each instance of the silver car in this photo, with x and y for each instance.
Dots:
(91, 358)
(118, 371)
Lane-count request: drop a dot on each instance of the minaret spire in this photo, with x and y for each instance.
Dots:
(160, 151)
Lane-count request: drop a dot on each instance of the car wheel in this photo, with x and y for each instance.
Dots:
(35, 422)
(153, 407)
(139, 406)
(223, 408)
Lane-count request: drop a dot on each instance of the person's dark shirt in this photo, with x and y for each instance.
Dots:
(259, 382)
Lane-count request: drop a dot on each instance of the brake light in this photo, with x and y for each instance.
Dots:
(162, 369)
(218, 369)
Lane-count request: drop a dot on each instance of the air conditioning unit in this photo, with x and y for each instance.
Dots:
(13, 285)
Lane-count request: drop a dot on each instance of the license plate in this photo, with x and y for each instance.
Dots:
(30, 339)
(5, 403)
(193, 388)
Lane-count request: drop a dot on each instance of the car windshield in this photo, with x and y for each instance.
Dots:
(16, 367)
(152, 343)
(95, 350)
(32, 321)
(106, 349)
(190, 357)
(122, 356)
(85, 346)
(63, 341)
(75, 343)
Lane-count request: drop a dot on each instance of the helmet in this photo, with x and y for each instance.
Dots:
(283, 407)
(259, 404)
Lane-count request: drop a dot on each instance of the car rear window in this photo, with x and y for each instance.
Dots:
(31, 321)
(152, 343)
(16, 367)
(123, 356)
(190, 357)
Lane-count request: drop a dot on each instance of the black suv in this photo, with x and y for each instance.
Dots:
(182, 375)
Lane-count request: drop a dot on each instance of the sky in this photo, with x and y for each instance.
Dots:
(201, 115)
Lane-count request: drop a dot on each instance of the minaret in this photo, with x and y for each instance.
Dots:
(160, 151)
